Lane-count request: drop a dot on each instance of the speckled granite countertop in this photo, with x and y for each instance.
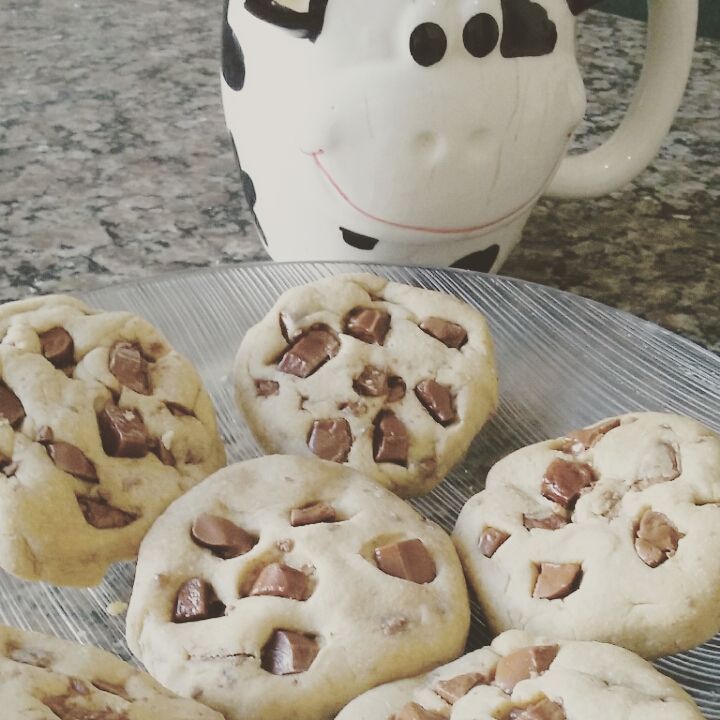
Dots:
(115, 163)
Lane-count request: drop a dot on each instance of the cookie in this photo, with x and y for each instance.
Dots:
(44, 678)
(611, 533)
(102, 425)
(392, 380)
(519, 677)
(284, 586)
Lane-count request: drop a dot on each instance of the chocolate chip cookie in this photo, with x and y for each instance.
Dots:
(392, 380)
(611, 533)
(519, 677)
(285, 586)
(44, 678)
(102, 425)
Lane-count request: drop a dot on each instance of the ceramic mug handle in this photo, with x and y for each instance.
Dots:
(672, 26)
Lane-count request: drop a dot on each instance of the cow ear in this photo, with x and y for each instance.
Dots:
(578, 6)
(527, 29)
(306, 22)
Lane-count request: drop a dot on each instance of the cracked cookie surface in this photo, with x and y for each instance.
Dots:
(392, 380)
(45, 678)
(519, 677)
(284, 586)
(102, 425)
(611, 533)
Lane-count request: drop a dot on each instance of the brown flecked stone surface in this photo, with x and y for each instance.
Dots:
(115, 163)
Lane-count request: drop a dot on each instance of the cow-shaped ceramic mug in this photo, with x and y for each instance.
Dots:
(424, 131)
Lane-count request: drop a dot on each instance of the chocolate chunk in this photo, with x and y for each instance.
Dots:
(11, 409)
(223, 537)
(396, 388)
(390, 439)
(448, 333)
(551, 521)
(657, 538)
(130, 368)
(266, 388)
(437, 399)
(367, 324)
(196, 600)
(311, 514)
(523, 664)
(543, 710)
(331, 439)
(9, 468)
(579, 440)
(103, 516)
(371, 382)
(58, 347)
(408, 560)
(123, 432)
(557, 580)
(413, 711)
(564, 481)
(491, 540)
(310, 351)
(281, 580)
(71, 460)
(453, 689)
(288, 652)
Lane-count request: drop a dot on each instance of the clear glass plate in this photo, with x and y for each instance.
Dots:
(564, 362)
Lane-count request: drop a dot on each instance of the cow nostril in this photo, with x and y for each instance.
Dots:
(480, 35)
(429, 144)
(428, 44)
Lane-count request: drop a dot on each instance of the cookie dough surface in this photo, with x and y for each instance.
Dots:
(45, 678)
(102, 425)
(520, 677)
(370, 387)
(611, 534)
(289, 614)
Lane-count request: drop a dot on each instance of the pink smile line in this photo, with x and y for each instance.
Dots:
(418, 228)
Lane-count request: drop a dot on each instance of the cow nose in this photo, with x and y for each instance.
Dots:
(436, 147)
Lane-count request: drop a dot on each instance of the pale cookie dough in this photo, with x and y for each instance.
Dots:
(610, 534)
(519, 677)
(283, 587)
(102, 425)
(392, 380)
(44, 678)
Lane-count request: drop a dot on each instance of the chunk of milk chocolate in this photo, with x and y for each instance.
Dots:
(129, 367)
(331, 439)
(310, 351)
(288, 652)
(280, 580)
(222, 536)
(522, 664)
(367, 324)
(390, 439)
(408, 560)
(448, 333)
(58, 347)
(557, 580)
(123, 432)
(564, 481)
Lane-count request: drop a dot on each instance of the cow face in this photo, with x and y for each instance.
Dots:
(410, 122)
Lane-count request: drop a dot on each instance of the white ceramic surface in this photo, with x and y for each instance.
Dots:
(353, 147)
